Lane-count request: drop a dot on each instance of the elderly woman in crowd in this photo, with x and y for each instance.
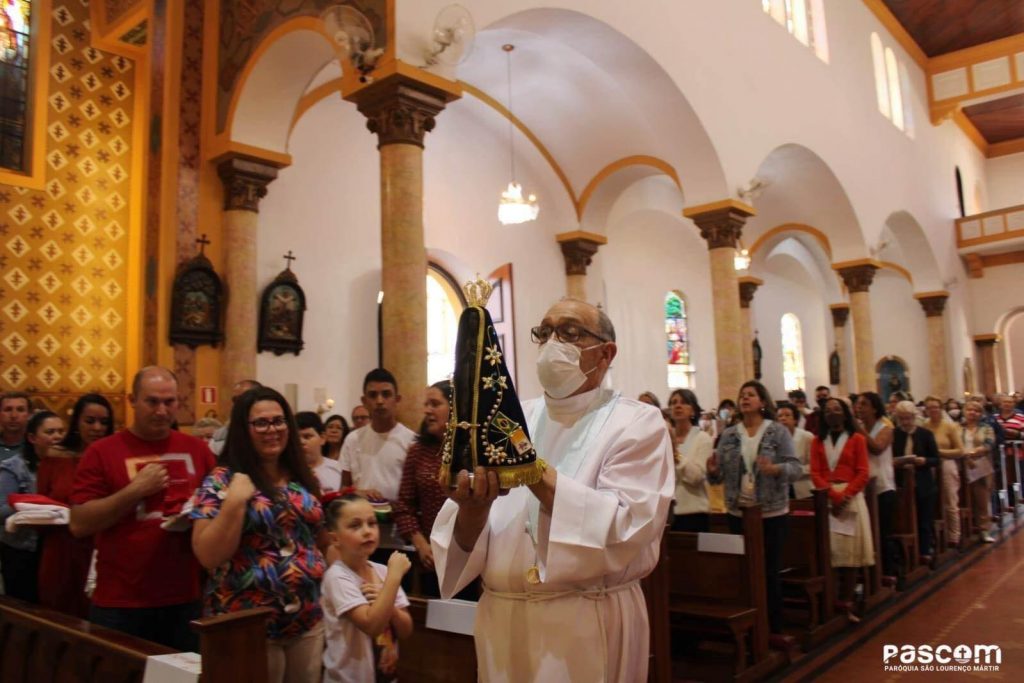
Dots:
(756, 462)
(335, 430)
(420, 496)
(257, 523)
(788, 416)
(64, 563)
(951, 449)
(912, 445)
(20, 549)
(692, 449)
(979, 440)
(839, 463)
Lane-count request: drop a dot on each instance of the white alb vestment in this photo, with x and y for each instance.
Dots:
(587, 620)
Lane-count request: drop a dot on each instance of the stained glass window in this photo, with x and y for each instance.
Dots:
(792, 353)
(15, 20)
(677, 342)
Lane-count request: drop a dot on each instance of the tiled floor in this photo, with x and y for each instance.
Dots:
(983, 605)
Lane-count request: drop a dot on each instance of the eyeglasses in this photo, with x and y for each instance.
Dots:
(262, 424)
(568, 333)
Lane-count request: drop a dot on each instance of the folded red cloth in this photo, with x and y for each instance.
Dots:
(33, 498)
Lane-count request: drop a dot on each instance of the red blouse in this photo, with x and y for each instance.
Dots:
(420, 497)
(852, 468)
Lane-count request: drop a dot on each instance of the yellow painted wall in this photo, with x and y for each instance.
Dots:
(64, 250)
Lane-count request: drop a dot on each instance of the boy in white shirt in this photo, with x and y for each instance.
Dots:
(373, 455)
(311, 436)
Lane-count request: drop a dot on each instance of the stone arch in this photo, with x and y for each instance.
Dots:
(799, 187)
(273, 81)
(813, 242)
(903, 243)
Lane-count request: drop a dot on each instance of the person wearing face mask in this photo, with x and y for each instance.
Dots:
(954, 410)
(839, 463)
(562, 559)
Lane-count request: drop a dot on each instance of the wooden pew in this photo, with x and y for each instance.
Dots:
(433, 656)
(942, 553)
(37, 644)
(722, 594)
(656, 594)
(968, 530)
(875, 593)
(905, 527)
(807, 578)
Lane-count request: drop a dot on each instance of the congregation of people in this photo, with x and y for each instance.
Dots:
(301, 514)
(754, 450)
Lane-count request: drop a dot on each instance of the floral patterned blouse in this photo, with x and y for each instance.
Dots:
(277, 563)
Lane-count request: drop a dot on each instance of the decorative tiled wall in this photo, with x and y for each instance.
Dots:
(64, 250)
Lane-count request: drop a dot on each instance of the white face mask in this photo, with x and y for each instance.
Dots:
(558, 368)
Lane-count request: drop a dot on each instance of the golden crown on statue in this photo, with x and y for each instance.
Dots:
(477, 292)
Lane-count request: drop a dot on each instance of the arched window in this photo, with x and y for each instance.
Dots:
(677, 342)
(15, 20)
(881, 81)
(892, 86)
(444, 305)
(792, 353)
(803, 19)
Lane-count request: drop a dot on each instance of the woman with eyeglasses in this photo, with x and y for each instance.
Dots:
(64, 563)
(335, 430)
(258, 529)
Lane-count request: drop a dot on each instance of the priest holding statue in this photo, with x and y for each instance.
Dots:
(559, 504)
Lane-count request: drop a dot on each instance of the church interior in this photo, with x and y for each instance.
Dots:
(807, 192)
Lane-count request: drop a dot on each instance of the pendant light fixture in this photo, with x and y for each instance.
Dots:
(513, 207)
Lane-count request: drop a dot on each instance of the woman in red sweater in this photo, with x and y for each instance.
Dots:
(839, 463)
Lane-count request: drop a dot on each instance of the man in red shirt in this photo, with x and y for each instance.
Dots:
(127, 485)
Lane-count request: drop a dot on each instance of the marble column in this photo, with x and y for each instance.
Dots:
(858, 276)
(721, 224)
(245, 184)
(578, 249)
(985, 344)
(401, 110)
(748, 286)
(840, 313)
(934, 304)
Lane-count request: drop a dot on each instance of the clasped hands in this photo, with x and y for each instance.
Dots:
(764, 465)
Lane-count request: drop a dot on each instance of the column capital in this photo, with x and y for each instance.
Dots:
(748, 286)
(721, 223)
(578, 249)
(933, 303)
(840, 314)
(982, 340)
(857, 275)
(401, 109)
(245, 181)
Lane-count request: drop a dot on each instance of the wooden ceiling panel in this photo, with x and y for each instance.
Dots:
(941, 26)
(999, 120)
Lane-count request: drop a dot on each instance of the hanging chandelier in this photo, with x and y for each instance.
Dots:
(741, 258)
(514, 208)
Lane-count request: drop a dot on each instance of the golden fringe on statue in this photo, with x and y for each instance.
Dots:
(486, 427)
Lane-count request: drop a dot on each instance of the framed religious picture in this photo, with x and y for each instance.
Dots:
(282, 308)
(197, 302)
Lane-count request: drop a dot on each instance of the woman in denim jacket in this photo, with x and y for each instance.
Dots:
(20, 549)
(756, 461)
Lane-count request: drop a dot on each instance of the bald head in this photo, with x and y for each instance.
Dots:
(148, 372)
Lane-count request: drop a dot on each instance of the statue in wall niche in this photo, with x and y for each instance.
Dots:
(197, 300)
(282, 308)
(893, 376)
(834, 367)
(758, 355)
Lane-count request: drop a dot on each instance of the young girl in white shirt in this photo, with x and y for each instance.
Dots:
(365, 609)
